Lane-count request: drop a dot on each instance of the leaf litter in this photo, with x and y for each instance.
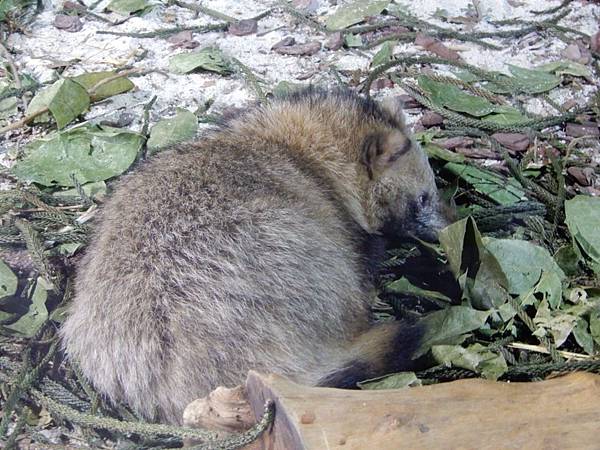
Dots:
(528, 280)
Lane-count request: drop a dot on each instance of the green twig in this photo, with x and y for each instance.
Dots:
(460, 120)
(304, 18)
(148, 430)
(169, 31)
(23, 381)
(85, 199)
(146, 115)
(251, 79)
(35, 248)
(205, 10)
(563, 4)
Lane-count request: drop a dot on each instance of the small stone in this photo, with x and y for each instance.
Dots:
(183, 39)
(517, 142)
(587, 129)
(583, 175)
(432, 119)
(578, 53)
(125, 119)
(285, 42)
(72, 24)
(309, 48)
(335, 41)
(243, 27)
(73, 6)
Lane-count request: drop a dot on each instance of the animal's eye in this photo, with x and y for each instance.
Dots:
(424, 199)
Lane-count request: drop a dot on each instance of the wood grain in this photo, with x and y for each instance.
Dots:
(560, 413)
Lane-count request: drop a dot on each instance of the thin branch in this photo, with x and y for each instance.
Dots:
(24, 121)
(169, 31)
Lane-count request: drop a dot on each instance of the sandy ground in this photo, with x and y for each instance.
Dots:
(39, 51)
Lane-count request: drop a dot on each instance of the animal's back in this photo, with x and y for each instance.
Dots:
(207, 262)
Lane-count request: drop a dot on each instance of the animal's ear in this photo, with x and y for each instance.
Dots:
(381, 150)
(394, 107)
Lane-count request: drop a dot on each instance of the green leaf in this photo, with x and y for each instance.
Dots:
(353, 40)
(583, 337)
(435, 151)
(595, 325)
(126, 7)
(507, 115)
(558, 323)
(449, 325)
(65, 99)
(499, 88)
(476, 357)
(8, 281)
(522, 262)
(384, 54)
(399, 380)
(466, 76)
(533, 81)
(453, 238)
(550, 288)
(8, 107)
(91, 153)
(354, 12)
(170, 131)
(403, 286)
(30, 322)
(502, 190)
(91, 79)
(450, 96)
(566, 67)
(582, 217)
(7, 6)
(209, 58)
(69, 249)
(567, 259)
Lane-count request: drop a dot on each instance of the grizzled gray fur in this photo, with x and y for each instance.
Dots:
(246, 250)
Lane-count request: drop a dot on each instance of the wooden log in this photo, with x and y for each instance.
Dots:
(560, 413)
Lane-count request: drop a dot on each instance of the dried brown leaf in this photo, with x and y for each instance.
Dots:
(435, 46)
(454, 142)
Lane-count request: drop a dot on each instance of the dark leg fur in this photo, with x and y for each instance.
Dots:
(386, 349)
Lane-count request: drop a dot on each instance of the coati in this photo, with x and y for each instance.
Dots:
(249, 249)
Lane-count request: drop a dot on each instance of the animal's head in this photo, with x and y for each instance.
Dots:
(402, 198)
(383, 177)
